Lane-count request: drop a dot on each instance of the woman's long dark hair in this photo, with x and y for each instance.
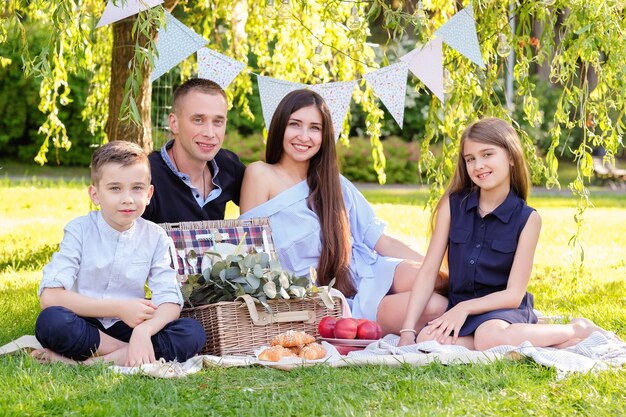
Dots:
(325, 197)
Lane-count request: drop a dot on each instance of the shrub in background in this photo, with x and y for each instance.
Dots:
(355, 160)
(21, 118)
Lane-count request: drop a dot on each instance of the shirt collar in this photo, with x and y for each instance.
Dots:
(108, 231)
(168, 161)
(503, 212)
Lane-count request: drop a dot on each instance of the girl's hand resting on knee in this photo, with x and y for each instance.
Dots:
(134, 312)
(449, 323)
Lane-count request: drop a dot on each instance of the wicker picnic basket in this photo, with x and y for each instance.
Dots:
(239, 327)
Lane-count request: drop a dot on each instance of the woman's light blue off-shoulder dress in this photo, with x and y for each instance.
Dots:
(296, 235)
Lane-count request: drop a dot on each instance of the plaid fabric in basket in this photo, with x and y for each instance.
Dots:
(202, 237)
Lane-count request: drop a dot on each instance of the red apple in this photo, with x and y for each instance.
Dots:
(346, 328)
(326, 327)
(361, 321)
(379, 328)
(368, 330)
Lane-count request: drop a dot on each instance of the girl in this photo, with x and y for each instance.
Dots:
(320, 219)
(490, 235)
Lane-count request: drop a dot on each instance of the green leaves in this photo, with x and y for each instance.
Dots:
(254, 274)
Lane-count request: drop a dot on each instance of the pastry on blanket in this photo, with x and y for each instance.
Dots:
(312, 351)
(275, 354)
(292, 338)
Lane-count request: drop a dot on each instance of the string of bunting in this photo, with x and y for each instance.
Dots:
(176, 42)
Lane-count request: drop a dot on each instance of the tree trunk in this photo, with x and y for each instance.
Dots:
(123, 52)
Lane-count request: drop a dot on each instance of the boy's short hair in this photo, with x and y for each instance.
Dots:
(196, 84)
(119, 152)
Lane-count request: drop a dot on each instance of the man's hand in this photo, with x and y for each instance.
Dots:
(140, 349)
(135, 312)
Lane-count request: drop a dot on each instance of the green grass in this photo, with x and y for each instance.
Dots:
(34, 212)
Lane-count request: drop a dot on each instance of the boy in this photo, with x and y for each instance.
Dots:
(92, 291)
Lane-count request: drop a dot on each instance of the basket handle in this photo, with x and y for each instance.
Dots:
(263, 318)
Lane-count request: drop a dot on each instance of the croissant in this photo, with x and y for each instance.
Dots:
(312, 351)
(292, 338)
(275, 354)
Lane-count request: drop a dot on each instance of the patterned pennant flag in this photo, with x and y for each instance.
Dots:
(272, 91)
(175, 42)
(337, 96)
(460, 33)
(427, 65)
(389, 84)
(217, 67)
(112, 13)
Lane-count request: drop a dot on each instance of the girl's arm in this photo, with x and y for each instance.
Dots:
(511, 297)
(255, 187)
(427, 276)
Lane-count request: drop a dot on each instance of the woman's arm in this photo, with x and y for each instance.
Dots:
(511, 297)
(390, 246)
(427, 276)
(255, 188)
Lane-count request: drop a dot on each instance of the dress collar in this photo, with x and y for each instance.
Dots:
(503, 212)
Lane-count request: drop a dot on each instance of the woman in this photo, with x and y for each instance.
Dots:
(320, 219)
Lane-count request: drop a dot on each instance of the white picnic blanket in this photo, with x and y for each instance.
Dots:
(600, 351)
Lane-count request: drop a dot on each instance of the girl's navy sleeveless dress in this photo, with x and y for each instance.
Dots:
(481, 252)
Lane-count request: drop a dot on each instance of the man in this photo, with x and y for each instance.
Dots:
(193, 177)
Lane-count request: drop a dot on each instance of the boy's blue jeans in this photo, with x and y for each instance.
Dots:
(76, 337)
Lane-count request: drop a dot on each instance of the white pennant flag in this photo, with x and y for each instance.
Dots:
(217, 67)
(460, 33)
(337, 96)
(175, 42)
(389, 84)
(427, 65)
(112, 12)
(272, 91)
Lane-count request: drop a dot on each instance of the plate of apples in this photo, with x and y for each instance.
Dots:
(348, 334)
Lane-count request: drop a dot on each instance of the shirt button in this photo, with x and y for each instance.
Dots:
(478, 245)
(482, 225)
(472, 261)
(197, 195)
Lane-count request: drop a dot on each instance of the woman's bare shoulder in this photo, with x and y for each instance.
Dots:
(259, 168)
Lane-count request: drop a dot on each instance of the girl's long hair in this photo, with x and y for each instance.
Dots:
(496, 132)
(325, 195)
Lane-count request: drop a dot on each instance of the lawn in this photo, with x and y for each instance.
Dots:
(32, 216)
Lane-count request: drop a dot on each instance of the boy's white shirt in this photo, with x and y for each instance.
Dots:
(98, 261)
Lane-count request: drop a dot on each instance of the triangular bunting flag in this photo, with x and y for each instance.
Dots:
(389, 84)
(217, 67)
(272, 91)
(337, 97)
(175, 42)
(112, 13)
(460, 33)
(427, 65)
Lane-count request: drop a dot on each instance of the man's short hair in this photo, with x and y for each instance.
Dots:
(119, 152)
(196, 84)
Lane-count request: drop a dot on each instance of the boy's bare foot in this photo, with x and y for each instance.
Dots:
(49, 356)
